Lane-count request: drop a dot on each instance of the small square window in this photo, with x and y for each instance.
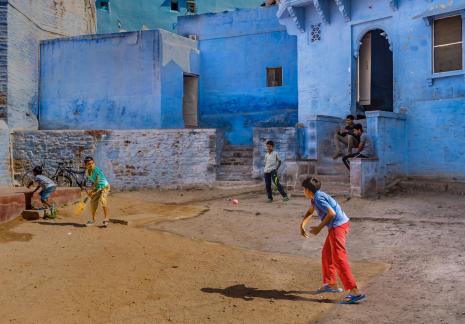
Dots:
(174, 5)
(274, 77)
(447, 44)
(103, 5)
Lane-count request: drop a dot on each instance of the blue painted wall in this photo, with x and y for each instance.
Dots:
(434, 104)
(115, 81)
(236, 48)
(132, 15)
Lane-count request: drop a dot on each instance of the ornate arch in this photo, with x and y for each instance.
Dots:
(358, 41)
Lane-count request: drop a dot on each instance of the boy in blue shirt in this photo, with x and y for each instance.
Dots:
(48, 188)
(99, 191)
(334, 254)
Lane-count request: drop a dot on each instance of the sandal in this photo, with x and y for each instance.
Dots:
(352, 299)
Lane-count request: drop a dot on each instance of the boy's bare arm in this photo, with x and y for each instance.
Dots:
(38, 187)
(329, 217)
(307, 217)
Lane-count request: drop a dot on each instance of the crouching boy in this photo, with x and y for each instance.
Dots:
(334, 254)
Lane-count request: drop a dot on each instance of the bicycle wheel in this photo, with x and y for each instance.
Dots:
(27, 178)
(63, 180)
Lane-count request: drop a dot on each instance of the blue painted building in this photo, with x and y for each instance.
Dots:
(248, 71)
(133, 15)
(128, 80)
(400, 63)
(240, 74)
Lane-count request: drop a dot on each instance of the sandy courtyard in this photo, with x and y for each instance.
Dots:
(201, 259)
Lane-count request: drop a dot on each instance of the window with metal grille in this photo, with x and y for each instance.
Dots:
(447, 44)
(174, 5)
(274, 77)
(191, 6)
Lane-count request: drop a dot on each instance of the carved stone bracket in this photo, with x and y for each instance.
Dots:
(298, 16)
(344, 8)
(323, 10)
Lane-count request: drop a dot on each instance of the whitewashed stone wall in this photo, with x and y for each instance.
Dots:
(5, 175)
(130, 159)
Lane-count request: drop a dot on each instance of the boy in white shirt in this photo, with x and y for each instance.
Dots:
(272, 164)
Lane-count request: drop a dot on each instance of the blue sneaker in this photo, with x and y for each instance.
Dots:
(328, 289)
(352, 299)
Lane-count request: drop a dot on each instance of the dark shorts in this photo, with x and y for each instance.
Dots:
(45, 193)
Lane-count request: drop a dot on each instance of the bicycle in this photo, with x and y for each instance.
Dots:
(64, 176)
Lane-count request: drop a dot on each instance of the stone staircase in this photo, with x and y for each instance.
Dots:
(236, 163)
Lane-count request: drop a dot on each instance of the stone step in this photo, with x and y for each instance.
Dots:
(239, 184)
(338, 179)
(331, 170)
(237, 154)
(242, 148)
(236, 161)
(33, 214)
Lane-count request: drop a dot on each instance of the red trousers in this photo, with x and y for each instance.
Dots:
(334, 258)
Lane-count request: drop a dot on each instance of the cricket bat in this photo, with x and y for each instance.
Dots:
(82, 205)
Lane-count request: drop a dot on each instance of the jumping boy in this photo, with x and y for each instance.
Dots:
(99, 192)
(334, 254)
(272, 164)
(48, 187)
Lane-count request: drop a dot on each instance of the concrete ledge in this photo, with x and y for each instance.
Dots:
(324, 118)
(385, 114)
(13, 201)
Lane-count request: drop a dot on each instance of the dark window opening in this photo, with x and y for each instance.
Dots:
(274, 77)
(174, 5)
(447, 44)
(103, 5)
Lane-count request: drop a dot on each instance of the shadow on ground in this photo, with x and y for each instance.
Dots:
(250, 293)
(61, 224)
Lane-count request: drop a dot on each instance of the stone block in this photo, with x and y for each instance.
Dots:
(363, 177)
(33, 214)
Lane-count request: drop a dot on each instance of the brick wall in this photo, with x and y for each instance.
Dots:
(3, 59)
(29, 22)
(130, 159)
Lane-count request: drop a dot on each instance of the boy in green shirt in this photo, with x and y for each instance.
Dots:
(99, 191)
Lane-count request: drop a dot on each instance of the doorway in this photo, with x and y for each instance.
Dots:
(190, 101)
(374, 73)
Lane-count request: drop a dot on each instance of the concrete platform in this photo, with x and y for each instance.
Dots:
(14, 200)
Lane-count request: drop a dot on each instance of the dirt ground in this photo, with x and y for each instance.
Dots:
(203, 259)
